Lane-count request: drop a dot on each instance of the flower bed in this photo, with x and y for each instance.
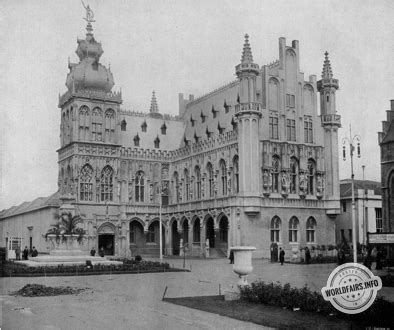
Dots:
(275, 294)
(128, 266)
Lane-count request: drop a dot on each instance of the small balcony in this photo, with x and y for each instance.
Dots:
(332, 119)
(249, 107)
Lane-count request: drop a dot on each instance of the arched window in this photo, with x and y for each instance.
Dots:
(139, 186)
(310, 230)
(175, 188)
(68, 127)
(123, 125)
(187, 184)
(275, 173)
(97, 124)
(198, 182)
(164, 129)
(210, 180)
(136, 141)
(109, 125)
(86, 183)
(311, 176)
(223, 173)
(84, 116)
(106, 184)
(157, 142)
(153, 233)
(293, 175)
(63, 128)
(236, 174)
(276, 225)
(293, 230)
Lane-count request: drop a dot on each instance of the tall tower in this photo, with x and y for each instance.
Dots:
(330, 121)
(248, 114)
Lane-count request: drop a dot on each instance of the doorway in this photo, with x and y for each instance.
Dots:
(107, 241)
(210, 232)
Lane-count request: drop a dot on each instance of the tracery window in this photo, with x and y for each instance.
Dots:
(139, 186)
(311, 176)
(276, 224)
(176, 188)
(210, 180)
(310, 230)
(187, 185)
(106, 184)
(86, 183)
(97, 123)
(293, 175)
(275, 173)
(293, 230)
(84, 116)
(109, 125)
(223, 173)
(152, 236)
(291, 132)
(236, 174)
(198, 182)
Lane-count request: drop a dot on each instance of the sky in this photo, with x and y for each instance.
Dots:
(181, 46)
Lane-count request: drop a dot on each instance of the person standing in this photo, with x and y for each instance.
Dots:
(93, 252)
(18, 253)
(34, 253)
(231, 257)
(307, 255)
(25, 253)
(281, 256)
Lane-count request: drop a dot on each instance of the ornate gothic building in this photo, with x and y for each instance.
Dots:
(250, 163)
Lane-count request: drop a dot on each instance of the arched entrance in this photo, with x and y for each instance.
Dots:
(210, 232)
(137, 239)
(223, 232)
(107, 242)
(185, 229)
(175, 238)
(153, 238)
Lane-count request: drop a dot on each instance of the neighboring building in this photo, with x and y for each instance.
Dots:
(250, 163)
(368, 204)
(386, 142)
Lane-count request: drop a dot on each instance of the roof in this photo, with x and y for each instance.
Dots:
(346, 186)
(389, 135)
(39, 203)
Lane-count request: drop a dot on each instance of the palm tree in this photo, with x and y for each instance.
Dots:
(66, 225)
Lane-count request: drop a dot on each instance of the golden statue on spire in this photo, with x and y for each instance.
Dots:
(89, 14)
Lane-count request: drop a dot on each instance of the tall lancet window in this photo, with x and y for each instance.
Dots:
(97, 124)
(223, 173)
(139, 186)
(110, 125)
(275, 173)
(236, 174)
(293, 175)
(198, 182)
(187, 185)
(106, 184)
(210, 180)
(84, 123)
(86, 183)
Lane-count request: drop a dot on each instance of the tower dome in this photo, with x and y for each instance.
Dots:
(89, 73)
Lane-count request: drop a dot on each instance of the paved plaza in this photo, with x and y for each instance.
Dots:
(135, 301)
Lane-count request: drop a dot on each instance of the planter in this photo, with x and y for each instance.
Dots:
(242, 262)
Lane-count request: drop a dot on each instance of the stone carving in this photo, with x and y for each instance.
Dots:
(303, 184)
(267, 182)
(320, 186)
(285, 183)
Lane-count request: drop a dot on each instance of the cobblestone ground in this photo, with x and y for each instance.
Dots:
(134, 301)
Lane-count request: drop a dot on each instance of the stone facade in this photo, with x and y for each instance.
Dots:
(250, 163)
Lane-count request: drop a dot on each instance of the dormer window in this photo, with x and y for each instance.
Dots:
(234, 124)
(144, 126)
(157, 142)
(214, 111)
(136, 141)
(220, 129)
(185, 141)
(208, 133)
(196, 138)
(192, 121)
(123, 125)
(226, 107)
(164, 129)
(202, 117)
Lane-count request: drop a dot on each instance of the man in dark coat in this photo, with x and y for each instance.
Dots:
(281, 256)
(231, 257)
(34, 253)
(25, 253)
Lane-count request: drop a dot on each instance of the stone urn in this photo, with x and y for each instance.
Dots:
(242, 262)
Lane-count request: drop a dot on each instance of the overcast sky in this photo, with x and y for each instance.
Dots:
(176, 47)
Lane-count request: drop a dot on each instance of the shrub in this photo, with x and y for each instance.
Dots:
(138, 258)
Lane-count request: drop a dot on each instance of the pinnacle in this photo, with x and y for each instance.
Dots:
(247, 56)
(327, 71)
(153, 104)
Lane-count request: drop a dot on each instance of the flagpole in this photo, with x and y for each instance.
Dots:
(161, 229)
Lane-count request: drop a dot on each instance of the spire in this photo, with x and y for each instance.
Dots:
(327, 72)
(90, 19)
(247, 56)
(153, 104)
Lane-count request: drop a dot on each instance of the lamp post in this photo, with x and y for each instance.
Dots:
(365, 228)
(351, 140)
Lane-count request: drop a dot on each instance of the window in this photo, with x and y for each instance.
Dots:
(109, 125)
(164, 129)
(84, 116)
(210, 180)
(275, 173)
(293, 230)
(196, 231)
(86, 183)
(293, 175)
(187, 185)
(157, 142)
(202, 117)
(379, 221)
(139, 186)
(214, 112)
(291, 133)
(308, 131)
(290, 101)
(276, 224)
(208, 133)
(273, 127)
(175, 189)
(123, 125)
(344, 206)
(136, 141)
(220, 129)
(236, 174)
(234, 124)
(97, 125)
(196, 138)
(223, 177)
(151, 237)
(192, 121)
(226, 107)
(198, 182)
(310, 230)
(106, 184)
(144, 126)
(135, 230)
(311, 176)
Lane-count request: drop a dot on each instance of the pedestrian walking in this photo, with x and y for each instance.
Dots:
(231, 257)
(281, 256)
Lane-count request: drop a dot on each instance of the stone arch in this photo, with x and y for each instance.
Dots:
(107, 236)
(136, 235)
(185, 226)
(196, 225)
(223, 225)
(209, 225)
(175, 236)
